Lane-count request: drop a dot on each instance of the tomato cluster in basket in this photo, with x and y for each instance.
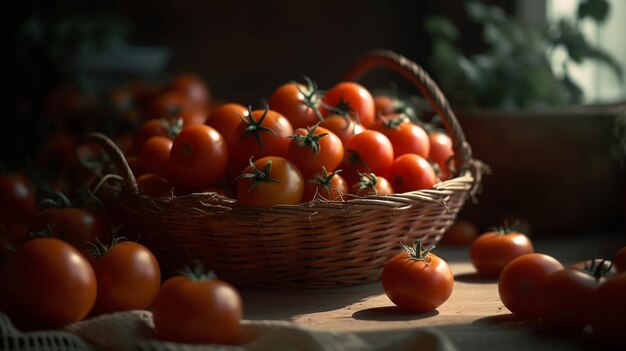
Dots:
(304, 144)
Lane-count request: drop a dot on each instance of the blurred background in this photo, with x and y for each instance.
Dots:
(70, 67)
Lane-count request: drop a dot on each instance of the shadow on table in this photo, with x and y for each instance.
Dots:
(474, 278)
(390, 313)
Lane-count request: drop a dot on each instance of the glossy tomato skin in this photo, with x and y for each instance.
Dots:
(17, 199)
(620, 260)
(187, 311)
(521, 283)
(225, 120)
(147, 130)
(289, 101)
(128, 277)
(416, 286)
(288, 188)
(369, 151)
(304, 155)
(51, 284)
(76, 226)
(344, 128)
(154, 156)
(460, 233)
(441, 151)
(274, 143)
(492, 251)
(198, 158)
(358, 99)
(406, 138)
(367, 186)
(608, 308)
(411, 172)
(565, 299)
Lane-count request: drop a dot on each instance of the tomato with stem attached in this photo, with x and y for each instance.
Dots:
(196, 307)
(350, 99)
(270, 181)
(369, 151)
(371, 184)
(314, 148)
(299, 103)
(405, 136)
(342, 127)
(520, 285)
(416, 280)
(493, 250)
(128, 276)
(198, 158)
(325, 186)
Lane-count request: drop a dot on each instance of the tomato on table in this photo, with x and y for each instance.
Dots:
(493, 250)
(416, 280)
(521, 283)
(565, 296)
(51, 284)
(128, 276)
(196, 307)
(270, 181)
(460, 233)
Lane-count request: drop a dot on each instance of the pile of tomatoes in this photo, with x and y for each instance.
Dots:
(303, 144)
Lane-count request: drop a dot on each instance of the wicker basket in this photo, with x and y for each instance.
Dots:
(315, 244)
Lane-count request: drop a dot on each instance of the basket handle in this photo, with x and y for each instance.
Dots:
(418, 76)
(130, 183)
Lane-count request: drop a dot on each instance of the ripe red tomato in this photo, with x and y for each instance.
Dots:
(314, 148)
(225, 120)
(326, 186)
(76, 226)
(128, 277)
(596, 267)
(197, 309)
(193, 87)
(17, 199)
(521, 283)
(565, 297)
(264, 133)
(193, 116)
(367, 152)
(350, 99)
(620, 260)
(51, 284)
(460, 233)
(371, 184)
(417, 280)
(198, 158)
(298, 103)
(344, 128)
(493, 250)
(406, 137)
(441, 152)
(608, 308)
(170, 103)
(153, 127)
(154, 185)
(269, 181)
(384, 105)
(154, 156)
(411, 172)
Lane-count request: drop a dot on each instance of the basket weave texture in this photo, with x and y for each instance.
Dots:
(316, 244)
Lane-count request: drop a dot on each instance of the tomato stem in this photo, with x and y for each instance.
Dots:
(197, 272)
(324, 179)
(310, 139)
(259, 176)
(311, 96)
(367, 181)
(418, 252)
(255, 127)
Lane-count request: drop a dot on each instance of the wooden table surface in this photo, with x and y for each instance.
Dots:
(473, 317)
